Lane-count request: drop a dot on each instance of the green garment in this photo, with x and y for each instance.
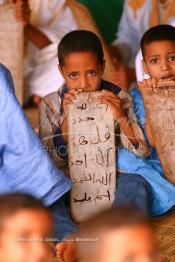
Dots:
(106, 14)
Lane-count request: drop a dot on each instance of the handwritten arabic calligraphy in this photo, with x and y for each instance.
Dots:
(99, 158)
(104, 179)
(97, 197)
(91, 156)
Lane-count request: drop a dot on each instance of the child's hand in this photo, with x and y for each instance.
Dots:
(69, 99)
(22, 11)
(147, 85)
(114, 102)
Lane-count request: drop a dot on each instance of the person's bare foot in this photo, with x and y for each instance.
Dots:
(66, 251)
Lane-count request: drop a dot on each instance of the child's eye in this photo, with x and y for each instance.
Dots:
(154, 61)
(172, 58)
(92, 73)
(73, 75)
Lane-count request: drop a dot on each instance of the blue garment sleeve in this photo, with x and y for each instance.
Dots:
(24, 165)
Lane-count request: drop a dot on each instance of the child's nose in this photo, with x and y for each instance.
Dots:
(165, 65)
(83, 82)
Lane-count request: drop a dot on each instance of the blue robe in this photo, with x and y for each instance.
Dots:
(150, 168)
(24, 165)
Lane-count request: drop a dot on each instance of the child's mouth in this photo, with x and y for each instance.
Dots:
(169, 77)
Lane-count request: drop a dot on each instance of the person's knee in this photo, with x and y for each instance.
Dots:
(133, 189)
(132, 181)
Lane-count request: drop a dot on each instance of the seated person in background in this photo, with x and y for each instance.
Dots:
(26, 227)
(158, 50)
(121, 234)
(24, 165)
(45, 23)
(81, 63)
(137, 18)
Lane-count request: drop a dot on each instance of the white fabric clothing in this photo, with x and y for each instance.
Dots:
(41, 72)
(133, 24)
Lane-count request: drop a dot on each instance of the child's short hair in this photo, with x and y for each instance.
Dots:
(12, 203)
(157, 33)
(80, 41)
(93, 231)
(115, 218)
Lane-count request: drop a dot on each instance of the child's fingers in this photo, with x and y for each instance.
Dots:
(148, 84)
(108, 93)
(142, 86)
(69, 96)
(154, 83)
(75, 91)
(110, 97)
(115, 108)
(111, 102)
(115, 100)
(66, 104)
(67, 101)
(145, 84)
(106, 102)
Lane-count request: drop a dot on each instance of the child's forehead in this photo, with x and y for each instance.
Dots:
(130, 236)
(159, 47)
(78, 61)
(23, 216)
(79, 54)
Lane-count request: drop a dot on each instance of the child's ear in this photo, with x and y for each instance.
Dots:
(60, 69)
(144, 66)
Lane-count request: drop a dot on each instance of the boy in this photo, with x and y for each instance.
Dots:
(81, 64)
(121, 234)
(158, 50)
(25, 228)
(137, 17)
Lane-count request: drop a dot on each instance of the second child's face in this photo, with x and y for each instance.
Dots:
(82, 70)
(129, 244)
(159, 60)
(23, 237)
